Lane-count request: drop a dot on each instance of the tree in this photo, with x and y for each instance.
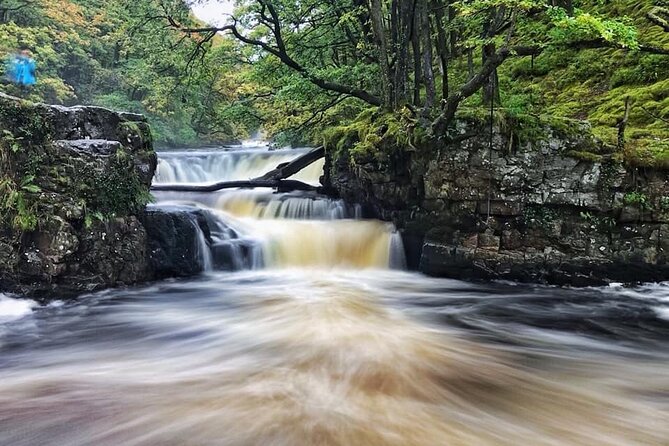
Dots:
(392, 44)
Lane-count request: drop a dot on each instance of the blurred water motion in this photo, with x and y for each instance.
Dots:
(243, 163)
(320, 343)
(335, 358)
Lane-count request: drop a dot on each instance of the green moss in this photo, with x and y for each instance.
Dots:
(23, 131)
(584, 156)
(78, 188)
(374, 136)
(114, 191)
(648, 152)
(25, 121)
(592, 85)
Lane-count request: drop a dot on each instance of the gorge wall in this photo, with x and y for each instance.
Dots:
(74, 185)
(548, 210)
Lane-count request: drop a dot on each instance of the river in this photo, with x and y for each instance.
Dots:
(316, 335)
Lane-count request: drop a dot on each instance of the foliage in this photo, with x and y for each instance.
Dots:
(539, 217)
(296, 69)
(601, 223)
(113, 54)
(373, 136)
(118, 189)
(636, 199)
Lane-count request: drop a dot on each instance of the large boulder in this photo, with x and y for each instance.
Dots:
(73, 182)
(179, 240)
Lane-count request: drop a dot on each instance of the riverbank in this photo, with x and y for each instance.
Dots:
(553, 206)
(75, 184)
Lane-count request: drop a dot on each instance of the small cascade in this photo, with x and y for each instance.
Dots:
(210, 166)
(297, 206)
(230, 249)
(203, 251)
(259, 228)
(343, 243)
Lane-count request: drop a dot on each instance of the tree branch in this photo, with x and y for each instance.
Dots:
(280, 52)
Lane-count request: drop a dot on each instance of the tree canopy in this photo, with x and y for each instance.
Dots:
(296, 68)
(397, 54)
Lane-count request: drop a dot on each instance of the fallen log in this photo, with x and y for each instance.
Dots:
(286, 170)
(280, 185)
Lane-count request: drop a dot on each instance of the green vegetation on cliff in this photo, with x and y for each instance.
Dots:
(299, 70)
(44, 178)
(317, 65)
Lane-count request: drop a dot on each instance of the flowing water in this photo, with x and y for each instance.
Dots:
(316, 336)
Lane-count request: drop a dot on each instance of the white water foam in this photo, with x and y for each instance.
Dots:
(12, 309)
(662, 312)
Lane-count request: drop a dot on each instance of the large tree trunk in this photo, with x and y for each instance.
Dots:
(491, 27)
(491, 88)
(453, 38)
(470, 63)
(428, 72)
(442, 50)
(376, 16)
(417, 69)
(405, 20)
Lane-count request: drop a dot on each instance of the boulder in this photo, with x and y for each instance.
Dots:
(178, 241)
(73, 182)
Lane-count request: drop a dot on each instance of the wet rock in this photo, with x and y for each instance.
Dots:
(79, 176)
(530, 213)
(177, 239)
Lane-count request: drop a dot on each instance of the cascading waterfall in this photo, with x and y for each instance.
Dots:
(254, 228)
(209, 166)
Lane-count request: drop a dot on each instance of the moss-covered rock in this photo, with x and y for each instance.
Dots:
(72, 183)
(556, 206)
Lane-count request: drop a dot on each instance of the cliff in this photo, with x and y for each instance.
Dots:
(545, 208)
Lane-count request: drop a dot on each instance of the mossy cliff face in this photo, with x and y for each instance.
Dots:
(547, 207)
(73, 182)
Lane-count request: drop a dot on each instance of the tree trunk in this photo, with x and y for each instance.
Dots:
(428, 72)
(394, 42)
(491, 88)
(417, 69)
(376, 16)
(405, 21)
(442, 50)
(453, 38)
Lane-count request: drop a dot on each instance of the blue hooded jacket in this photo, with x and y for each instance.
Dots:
(22, 70)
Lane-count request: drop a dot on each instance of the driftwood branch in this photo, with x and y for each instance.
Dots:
(286, 170)
(280, 185)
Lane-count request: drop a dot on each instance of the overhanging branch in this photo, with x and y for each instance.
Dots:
(280, 52)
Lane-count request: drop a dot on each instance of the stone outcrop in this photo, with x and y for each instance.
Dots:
(547, 210)
(179, 237)
(74, 184)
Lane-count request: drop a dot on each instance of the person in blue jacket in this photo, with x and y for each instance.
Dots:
(22, 69)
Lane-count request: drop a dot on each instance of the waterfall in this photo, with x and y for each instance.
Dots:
(203, 250)
(260, 228)
(209, 166)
